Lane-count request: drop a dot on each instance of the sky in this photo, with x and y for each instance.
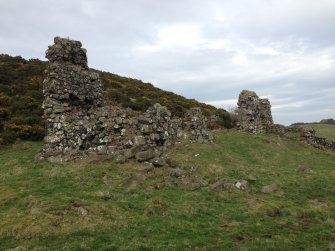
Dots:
(210, 50)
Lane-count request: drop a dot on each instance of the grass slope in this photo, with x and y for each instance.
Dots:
(323, 130)
(103, 206)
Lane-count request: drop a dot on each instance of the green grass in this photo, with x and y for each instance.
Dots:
(84, 205)
(323, 130)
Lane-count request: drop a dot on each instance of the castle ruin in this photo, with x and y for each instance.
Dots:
(80, 122)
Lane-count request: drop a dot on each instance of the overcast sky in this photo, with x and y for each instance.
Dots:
(209, 50)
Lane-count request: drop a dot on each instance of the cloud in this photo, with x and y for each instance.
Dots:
(177, 36)
(208, 50)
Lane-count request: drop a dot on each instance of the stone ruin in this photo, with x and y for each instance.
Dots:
(80, 122)
(253, 113)
(254, 116)
(306, 135)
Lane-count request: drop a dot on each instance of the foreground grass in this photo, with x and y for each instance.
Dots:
(323, 130)
(104, 206)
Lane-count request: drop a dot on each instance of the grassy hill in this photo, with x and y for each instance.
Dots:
(21, 98)
(90, 205)
(322, 130)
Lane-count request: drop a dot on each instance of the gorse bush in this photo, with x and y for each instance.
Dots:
(20, 99)
(34, 132)
(4, 113)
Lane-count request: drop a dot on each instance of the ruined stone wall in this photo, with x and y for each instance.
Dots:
(306, 135)
(253, 113)
(318, 142)
(195, 126)
(80, 123)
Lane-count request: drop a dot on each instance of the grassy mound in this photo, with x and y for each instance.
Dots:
(85, 205)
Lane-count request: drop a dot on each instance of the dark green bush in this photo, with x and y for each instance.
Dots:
(4, 113)
(7, 137)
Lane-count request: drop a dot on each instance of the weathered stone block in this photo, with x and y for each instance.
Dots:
(158, 161)
(145, 155)
(139, 140)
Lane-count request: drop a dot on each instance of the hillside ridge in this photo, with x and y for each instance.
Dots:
(21, 98)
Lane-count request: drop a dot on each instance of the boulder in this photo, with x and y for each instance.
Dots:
(171, 162)
(176, 172)
(120, 159)
(269, 188)
(144, 155)
(220, 184)
(158, 161)
(243, 185)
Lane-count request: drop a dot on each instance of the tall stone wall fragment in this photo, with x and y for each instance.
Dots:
(254, 114)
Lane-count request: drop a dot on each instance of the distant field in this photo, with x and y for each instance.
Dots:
(323, 130)
(85, 205)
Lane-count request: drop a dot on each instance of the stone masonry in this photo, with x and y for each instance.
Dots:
(79, 122)
(195, 126)
(254, 114)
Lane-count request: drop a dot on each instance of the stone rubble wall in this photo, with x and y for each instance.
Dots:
(195, 126)
(254, 114)
(79, 123)
(306, 135)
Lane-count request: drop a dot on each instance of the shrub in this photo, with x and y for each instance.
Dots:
(26, 131)
(7, 138)
(4, 113)
(4, 100)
